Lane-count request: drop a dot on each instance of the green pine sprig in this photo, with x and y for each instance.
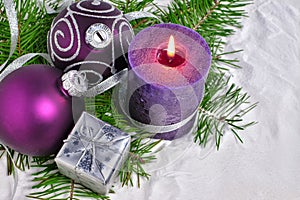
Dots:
(132, 5)
(140, 154)
(33, 24)
(222, 109)
(53, 186)
(12, 157)
(208, 17)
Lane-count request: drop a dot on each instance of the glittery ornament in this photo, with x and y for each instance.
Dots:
(90, 35)
(35, 115)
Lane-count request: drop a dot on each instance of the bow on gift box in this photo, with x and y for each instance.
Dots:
(99, 151)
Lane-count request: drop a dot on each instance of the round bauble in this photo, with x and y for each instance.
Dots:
(90, 34)
(35, 115)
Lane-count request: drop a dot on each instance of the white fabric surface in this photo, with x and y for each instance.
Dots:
(267, 165)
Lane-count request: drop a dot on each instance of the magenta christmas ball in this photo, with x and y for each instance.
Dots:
(90, 34)
(35, 115)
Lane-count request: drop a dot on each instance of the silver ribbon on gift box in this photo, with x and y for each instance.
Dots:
(93, 153)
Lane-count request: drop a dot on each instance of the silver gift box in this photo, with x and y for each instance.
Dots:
(93, 153)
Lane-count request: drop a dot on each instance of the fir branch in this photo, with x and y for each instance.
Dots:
(140, 154)
(222, 111)
(217, 3)
(132, 5)
(72, 189)
(33, 25)
(217, 18)
(138, 5)
(54, 185)
(21, 161)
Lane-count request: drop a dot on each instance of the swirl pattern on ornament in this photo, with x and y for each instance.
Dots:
(58, 33)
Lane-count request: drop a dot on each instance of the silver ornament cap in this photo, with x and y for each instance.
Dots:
(75, 83)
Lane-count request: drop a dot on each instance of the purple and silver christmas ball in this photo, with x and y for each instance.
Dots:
(35, 115)
(90, 34)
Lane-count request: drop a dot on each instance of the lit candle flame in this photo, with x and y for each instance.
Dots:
(171, 47)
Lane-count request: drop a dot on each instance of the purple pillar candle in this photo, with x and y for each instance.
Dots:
(166, 80)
